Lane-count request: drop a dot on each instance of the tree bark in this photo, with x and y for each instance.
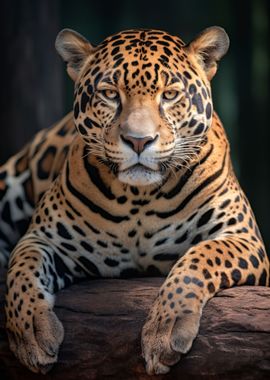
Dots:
(103, 321)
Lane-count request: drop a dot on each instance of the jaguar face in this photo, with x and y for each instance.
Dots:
(142, 98)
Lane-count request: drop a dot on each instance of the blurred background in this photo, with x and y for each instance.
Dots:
(36, 91)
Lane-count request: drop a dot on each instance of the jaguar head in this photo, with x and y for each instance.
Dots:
(143, 100)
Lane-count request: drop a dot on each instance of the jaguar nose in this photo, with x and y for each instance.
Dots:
(138, 144)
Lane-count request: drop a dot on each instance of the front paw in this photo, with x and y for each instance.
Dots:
(166, 335)
(35, 341)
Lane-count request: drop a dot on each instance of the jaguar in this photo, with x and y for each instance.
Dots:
(136, 181)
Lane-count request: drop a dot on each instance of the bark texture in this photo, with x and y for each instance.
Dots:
(103, 320)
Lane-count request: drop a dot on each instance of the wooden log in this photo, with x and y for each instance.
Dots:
(103, 321)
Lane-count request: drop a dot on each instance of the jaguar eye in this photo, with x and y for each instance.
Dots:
(110, 94)
(170, 95)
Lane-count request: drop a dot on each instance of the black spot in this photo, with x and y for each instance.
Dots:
(197, 239)
(191, 295)
(24, 288)
(211, 287)
(134, 211)
(91, 267)
(166, 256)
(208, 111)
(122, 199)
(204, 93)
(205, 217)
(84, 101)
(76, 110)
(187, 74)
(87, 246)
(19, 203)
(263, 277)
(242, 263)
(228, 264)
(210, 262)
(118, 62)
(134, 190)
(179, 290)
(224, 283)
(197, 102)
(49, 153)
(236, 275)
(69, 215)
(88, 122)
(250, 279)
(82, 130)
(95, 70)
(217, 260)
(197, 282)
(199, 129)
(215, 228)
(79, 230)
(192, 89)
(231, 222)
(37, 220)
(254, 261)
(160, 242)
(182, 238)
(119, 42)
(111, 262)
(102, 243)
(206, 274)
(192, 123)
(62, 231)
(187, 280)
(26, 325)
(261, 254)
(240, 217)
(69, 247)
(225, 204)
(132, 233)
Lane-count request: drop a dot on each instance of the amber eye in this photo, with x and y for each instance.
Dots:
(170, 95)
(110, 94)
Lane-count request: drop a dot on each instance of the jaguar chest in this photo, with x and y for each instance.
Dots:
(144, 244)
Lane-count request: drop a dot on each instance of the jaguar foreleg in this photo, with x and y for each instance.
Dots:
(207, 268)
(35, 333)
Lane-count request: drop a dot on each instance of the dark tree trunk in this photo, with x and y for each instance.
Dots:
(251, 48)
(103, 321)
(31, 82)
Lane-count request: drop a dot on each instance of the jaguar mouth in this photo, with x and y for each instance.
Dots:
(138, 168)
(139, 174)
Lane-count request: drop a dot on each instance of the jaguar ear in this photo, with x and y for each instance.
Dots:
(208, 48)
(74, 50)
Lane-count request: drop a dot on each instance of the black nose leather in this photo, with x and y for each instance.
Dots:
(138, 144)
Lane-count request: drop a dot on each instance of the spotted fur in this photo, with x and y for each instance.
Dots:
(137, 181)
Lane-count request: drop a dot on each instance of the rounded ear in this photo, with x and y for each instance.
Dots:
(74, 50)
(208, 48)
